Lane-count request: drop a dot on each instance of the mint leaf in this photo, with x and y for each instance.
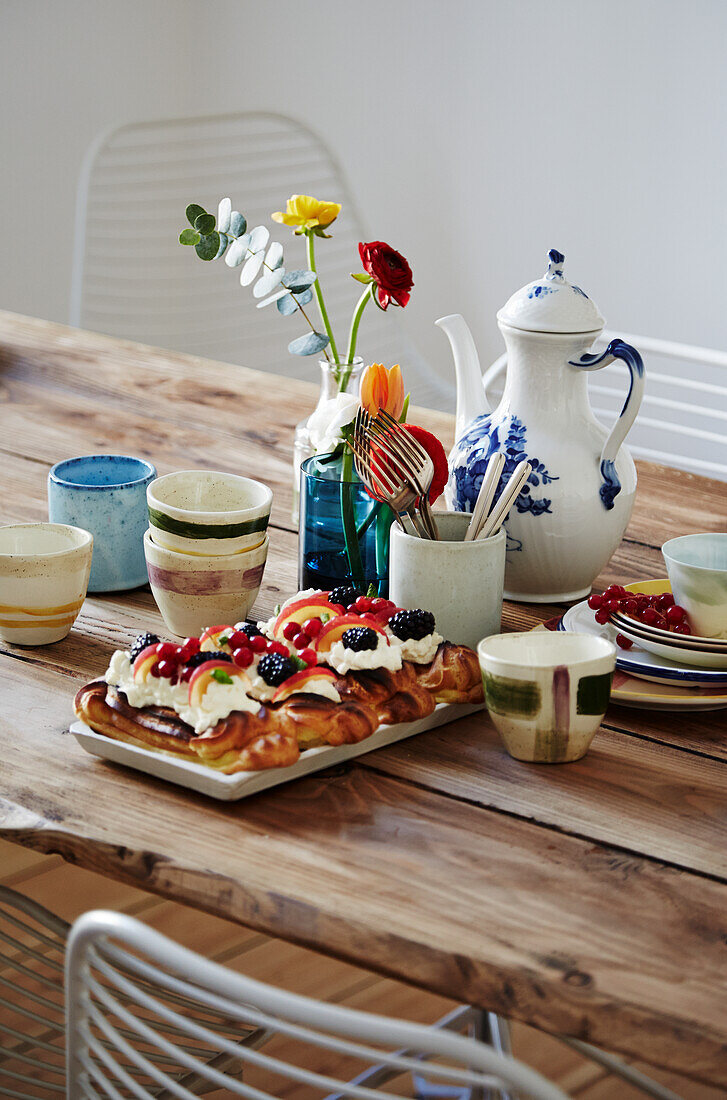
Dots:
(298, 662)
(371, 591)
(221, 676)
(223, 639)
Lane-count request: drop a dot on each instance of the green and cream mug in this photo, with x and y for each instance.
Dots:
(547, 692)
(208, 512)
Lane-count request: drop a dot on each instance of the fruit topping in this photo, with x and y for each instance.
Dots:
(145, 664)
(218, 670)
(249, 627)
(309, 656)
(143, 641)
(360, 638)
(334, 630)
(308, 607)
(243, 657)
(259, 643)
(215, 636)
(189, 647)
(304, 681)
(198, 659)
(278, 647)
(415, 624)
(344, 595)
(291, 630)
(312, 627)
(275, 669)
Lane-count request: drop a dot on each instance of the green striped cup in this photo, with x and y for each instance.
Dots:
(208, 512)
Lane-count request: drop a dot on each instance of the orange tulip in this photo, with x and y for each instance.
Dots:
(382, 389)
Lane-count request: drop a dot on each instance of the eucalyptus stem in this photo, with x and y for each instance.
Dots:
(312, 326)
(319, 298)
(353, 334)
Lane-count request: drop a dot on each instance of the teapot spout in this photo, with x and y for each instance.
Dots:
(471, 400)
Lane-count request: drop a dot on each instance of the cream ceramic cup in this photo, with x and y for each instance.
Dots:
(697, 568)
(194, 592)
(208, 512)
(547, 691)
(459, 582)
(44, 569)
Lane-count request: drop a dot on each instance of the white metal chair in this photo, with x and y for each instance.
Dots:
(32, 1010)
(683, 420)
(124, 981)
(131, 277)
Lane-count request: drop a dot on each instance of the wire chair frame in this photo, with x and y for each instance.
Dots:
(131, 278)
(683, 420)
(127, 981)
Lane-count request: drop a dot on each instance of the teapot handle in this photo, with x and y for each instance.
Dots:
(617, 349)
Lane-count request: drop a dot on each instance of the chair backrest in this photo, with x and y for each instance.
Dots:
(131, 277)
(683, 419)
(123, 980)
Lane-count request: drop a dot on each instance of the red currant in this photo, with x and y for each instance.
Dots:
(682, 628)
(675, 614)
(258, 644)
(624, 643)
(309, 656)
(362, 604)
(290, 630)
(379, 604)
(595, 601)
(154, 670)
(602, 615)
(279, 648)
(612, 605)
(616, 591)
(301, 641)
(312, 627)
(650, 616)
(167, 651)
(243, 657)
(186, 675)
(665, 600)
(166, 669)
(238, 640)
(629, 607)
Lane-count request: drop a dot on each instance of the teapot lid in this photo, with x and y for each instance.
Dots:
(551, 304)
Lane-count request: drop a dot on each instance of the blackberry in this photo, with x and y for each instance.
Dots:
(359, 638)
(344, 595)
(198, 659)
(275, 669)
(249, 627)
(413, 625)
(141, 642)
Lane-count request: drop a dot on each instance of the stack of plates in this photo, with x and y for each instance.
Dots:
(675, 680)
(692, 650)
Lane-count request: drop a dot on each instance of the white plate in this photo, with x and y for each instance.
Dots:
(679, 653)
(638, 661)
(199, 777)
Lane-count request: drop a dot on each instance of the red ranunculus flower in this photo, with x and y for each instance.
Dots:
(436, 452)
(389, 270)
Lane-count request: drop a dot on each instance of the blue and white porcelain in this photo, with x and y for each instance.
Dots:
(106, 495)
(571, 514)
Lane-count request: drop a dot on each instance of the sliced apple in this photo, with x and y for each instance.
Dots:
(333, 631)
(145, 662)
(303, 681)
(203, 676)
(209, 639)
(311, 607)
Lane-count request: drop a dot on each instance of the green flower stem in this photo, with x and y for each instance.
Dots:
(353, 334)
(383, 526)
(361, 531)
(319, 298)
(348, 519)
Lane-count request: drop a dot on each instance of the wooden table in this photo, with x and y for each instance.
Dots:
(589, 900)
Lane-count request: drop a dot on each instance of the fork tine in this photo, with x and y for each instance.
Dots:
(374, 477)
(404, 468)
(406, 438)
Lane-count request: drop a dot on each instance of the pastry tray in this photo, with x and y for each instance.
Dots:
(199, 777)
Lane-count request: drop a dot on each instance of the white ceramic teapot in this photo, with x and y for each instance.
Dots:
(572, 513)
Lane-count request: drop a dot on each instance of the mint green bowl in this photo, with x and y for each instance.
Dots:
(697, 568)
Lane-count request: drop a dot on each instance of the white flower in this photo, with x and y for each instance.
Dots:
(326, 422)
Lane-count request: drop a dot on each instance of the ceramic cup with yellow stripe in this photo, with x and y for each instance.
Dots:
(208, 512)
(44, 570)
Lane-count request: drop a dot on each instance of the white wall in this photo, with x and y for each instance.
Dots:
(477, 134)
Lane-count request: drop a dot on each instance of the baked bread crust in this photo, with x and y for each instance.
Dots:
(240, 742)
(314, 720)
(394, 696)
(453, 676)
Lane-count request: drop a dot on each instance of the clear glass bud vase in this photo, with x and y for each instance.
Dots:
(335, 379)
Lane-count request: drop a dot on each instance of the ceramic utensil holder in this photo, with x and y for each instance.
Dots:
(460, 582)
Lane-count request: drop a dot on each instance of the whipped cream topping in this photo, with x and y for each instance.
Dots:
(345, 660)
(419, 650)
(218, 701)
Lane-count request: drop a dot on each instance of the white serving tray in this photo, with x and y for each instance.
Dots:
(199, 777)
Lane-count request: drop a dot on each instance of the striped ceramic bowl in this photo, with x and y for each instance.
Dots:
(207, 512)
(44, 570)
(193, 592)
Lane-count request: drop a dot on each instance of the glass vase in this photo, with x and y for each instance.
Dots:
(335, 379)
(344, 533)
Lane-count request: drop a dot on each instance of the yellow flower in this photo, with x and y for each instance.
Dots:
(304, 212)
(382, 389)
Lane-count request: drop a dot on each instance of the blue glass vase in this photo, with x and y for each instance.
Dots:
(344, 533)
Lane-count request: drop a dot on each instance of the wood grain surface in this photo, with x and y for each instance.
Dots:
(588, 899)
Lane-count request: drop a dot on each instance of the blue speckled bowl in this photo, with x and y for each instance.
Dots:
(106, 495)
